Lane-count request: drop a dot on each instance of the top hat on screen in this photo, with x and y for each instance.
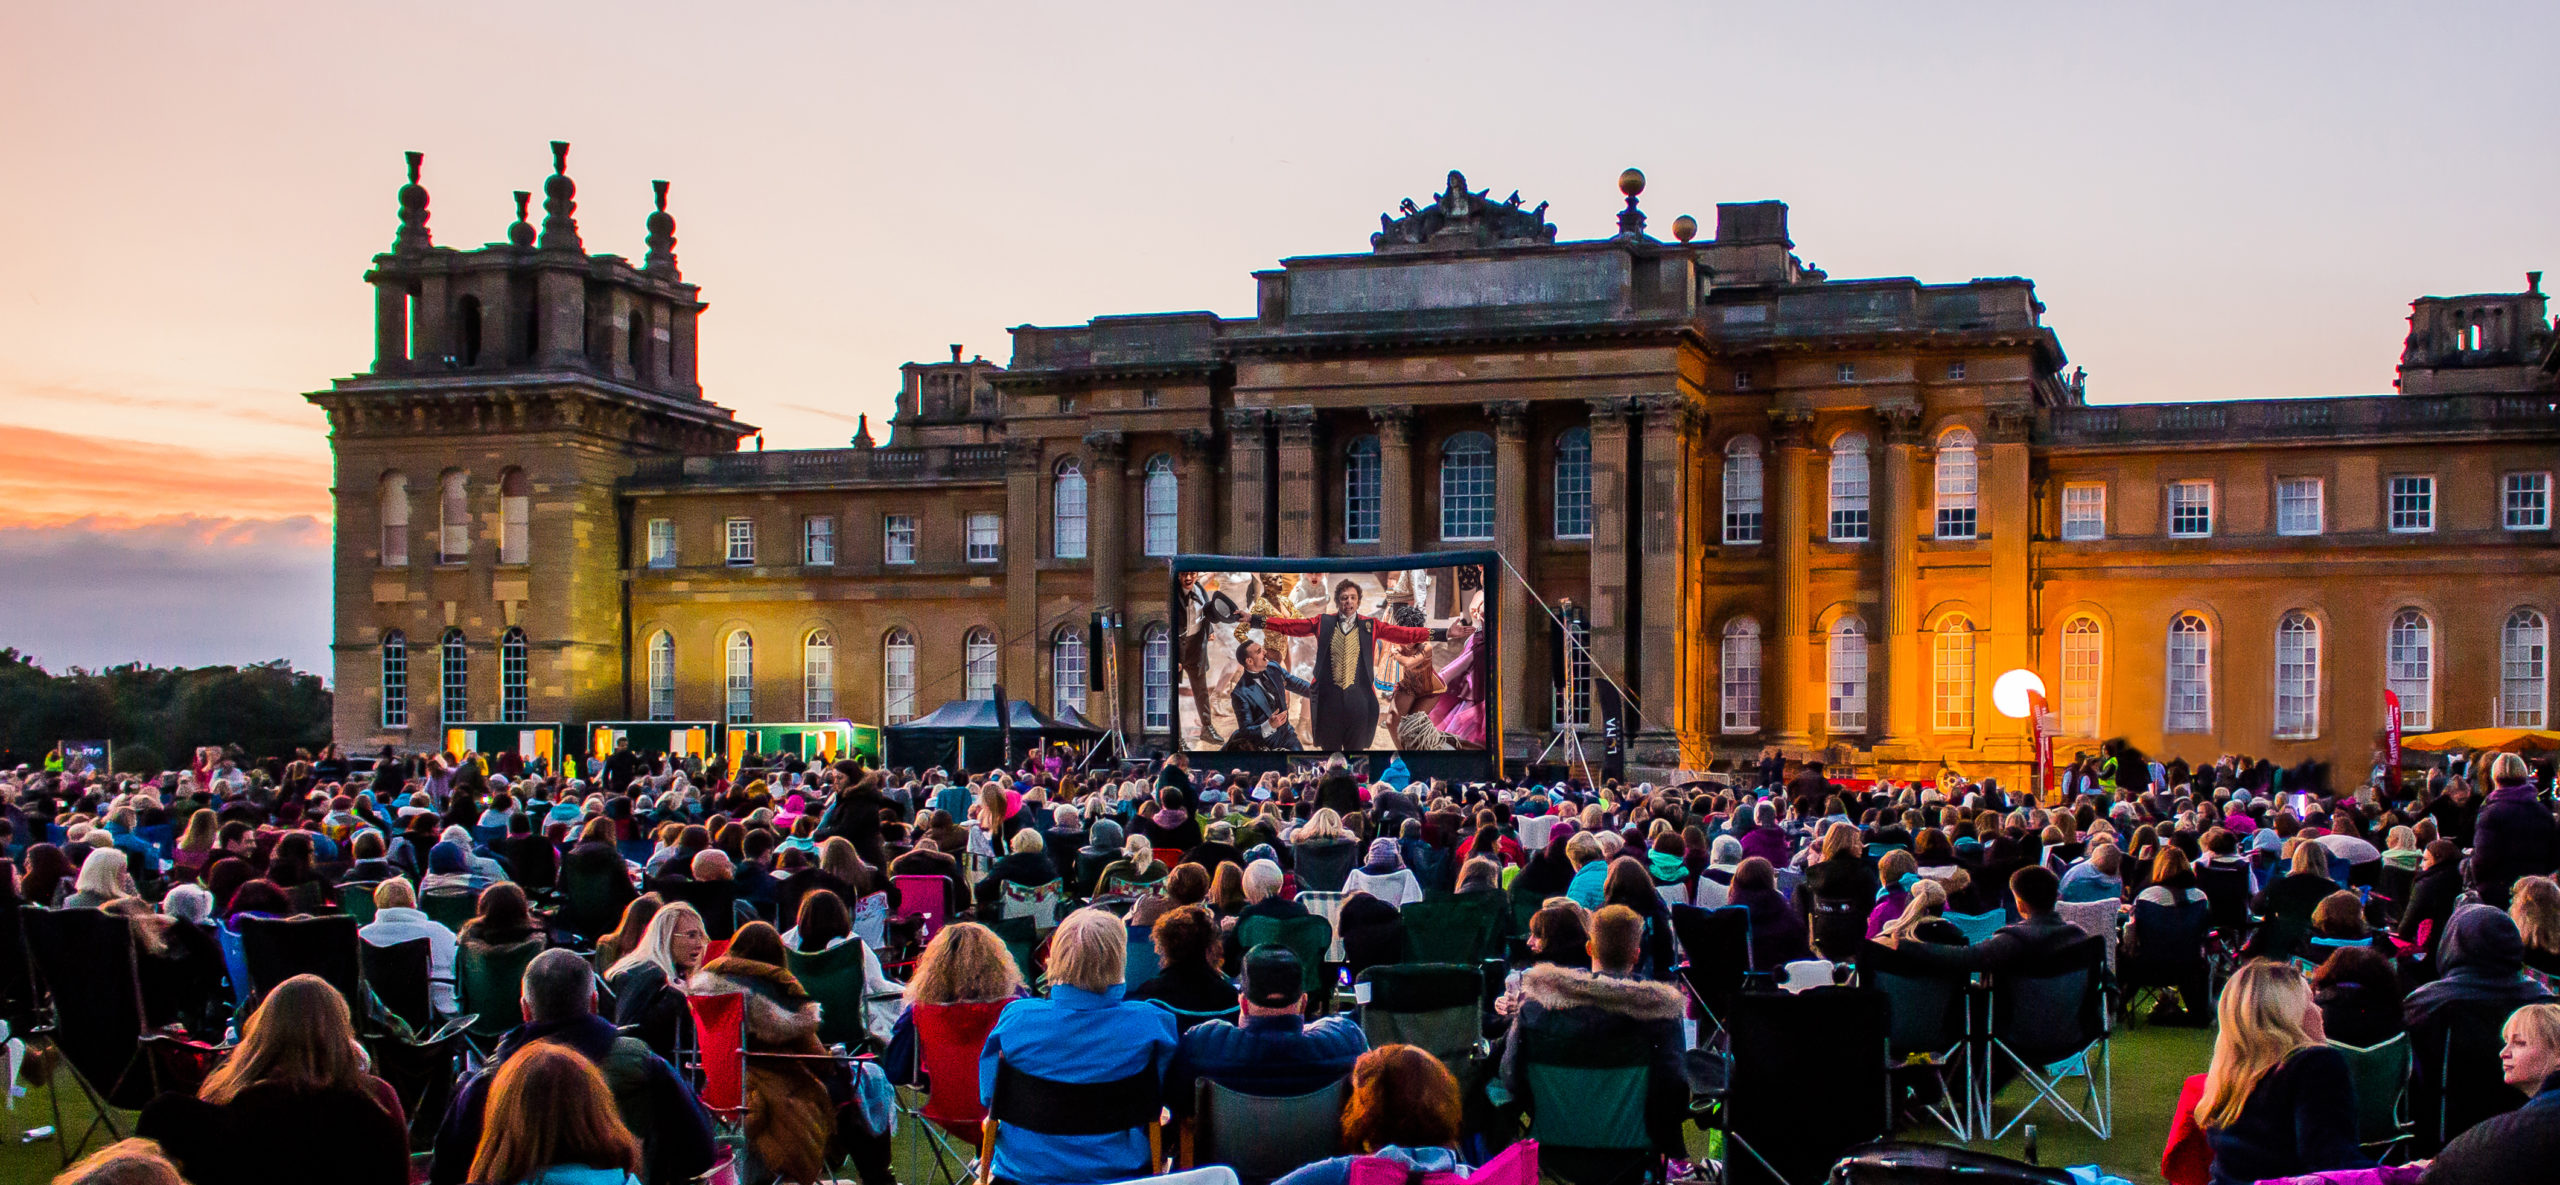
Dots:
(1220, 609)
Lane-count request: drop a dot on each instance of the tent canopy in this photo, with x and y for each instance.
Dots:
(2503, 740)
(969, 731)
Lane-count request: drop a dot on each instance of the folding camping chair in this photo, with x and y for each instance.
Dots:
(1718, 942)
(720, 1049)
(1932, 1031)
(1037, 902)
(1830, 1043)
(2381, 1076)
(1047, 1106)
(277, 949)
(949, 1038)
(925, 901)
(91, 1003)
(1264, 1138)
(2047, 1018)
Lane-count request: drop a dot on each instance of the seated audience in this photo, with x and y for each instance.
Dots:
(1276, 1051)
(297, 1070)
(1083, 1032)
(1405, 1107)
(2278, 1102)
(397, 919)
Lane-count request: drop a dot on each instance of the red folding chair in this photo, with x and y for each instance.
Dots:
(949, 1040)
(720, 1058)
(925, 901)
(1168, 856)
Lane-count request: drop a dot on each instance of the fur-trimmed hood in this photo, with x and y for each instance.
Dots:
(777, 1011)
(1557, 988)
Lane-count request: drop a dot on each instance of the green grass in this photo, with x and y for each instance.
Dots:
(36, 1163)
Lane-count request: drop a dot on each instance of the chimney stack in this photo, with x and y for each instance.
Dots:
(955, 351)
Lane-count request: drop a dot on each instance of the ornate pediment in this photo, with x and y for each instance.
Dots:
(1461, 218)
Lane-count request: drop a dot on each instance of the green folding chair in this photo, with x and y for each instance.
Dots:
(489, 984)
(837, 979)
(1309, 938)
(356, 898)
(1264, 1139)
(450, 908)
(2380, 1074)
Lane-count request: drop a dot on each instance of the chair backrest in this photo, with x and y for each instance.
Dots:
(450, 907)
(2393, 884)
(84, 961)
(2458, 1081)
(1597, 1107)
(1451, 930)
(1830, 1043)
(1265, 1138)
(1037, 902)
(637, 851)
(1168, 856)
(1052, 1107)
(277, 949)
(926, 898)
(1434, 1006)
(1928, 1005)
(1718, 942)
(720, 1034)
(1308, 938)
(1535, 831)
(489, 981)
(1021, 938)
(2172, 932)
(2096, 919)
(356, 898)
(397, 976)
(591, 900)
(2381, 1076)
(949, 1038)
(1323, 864)
(2049, 1008)
(871, 920)
(1143, 962)
(2226, 886)
(1394, 888)
(836, 978)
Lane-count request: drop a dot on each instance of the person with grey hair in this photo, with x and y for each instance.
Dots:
(1262, 880)
(189, 903)
(559, 1006)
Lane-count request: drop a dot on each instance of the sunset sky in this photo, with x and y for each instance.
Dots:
(2215, 200)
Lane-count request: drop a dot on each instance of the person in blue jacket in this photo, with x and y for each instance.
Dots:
(1083, 1033)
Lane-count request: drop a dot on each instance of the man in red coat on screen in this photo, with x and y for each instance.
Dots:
(1346, 694)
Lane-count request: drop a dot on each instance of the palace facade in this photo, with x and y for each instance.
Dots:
(1777, 508)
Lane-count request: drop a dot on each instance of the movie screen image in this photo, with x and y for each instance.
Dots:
(1331, 659)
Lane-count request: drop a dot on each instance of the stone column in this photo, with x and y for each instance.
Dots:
(390, 328)
(1610, 620)
(1395, 477)
(2007, 511)
(1511, 538)
(1299, 533)
(1784, 681)
(563, 311)
(1106, 540)
(1670, 421)
(1905, 683)
(1249, 454)
(1018, 635)
(1199, 475)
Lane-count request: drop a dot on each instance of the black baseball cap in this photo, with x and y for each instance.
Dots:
(1273, 978)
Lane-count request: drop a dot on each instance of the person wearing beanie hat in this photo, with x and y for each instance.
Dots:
(1274, 1052)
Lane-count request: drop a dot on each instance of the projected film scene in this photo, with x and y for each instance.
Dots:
(1327, 660)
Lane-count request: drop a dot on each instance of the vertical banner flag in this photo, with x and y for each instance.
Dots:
(2390, 742)
(2044, 748)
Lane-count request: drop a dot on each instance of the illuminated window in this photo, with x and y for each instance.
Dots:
(2083, 652)
(1958, 485)
(1743, 505)
(395, 680)
(818, 676)
(1847, 676)
(1741, 675)
(1951, 693)
(2190, 674)
(979, 649)
(2523, 666)
(1573, 484)
(2409, 669)
(1849, 488)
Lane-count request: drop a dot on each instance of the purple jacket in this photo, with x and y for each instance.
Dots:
(1768, 843)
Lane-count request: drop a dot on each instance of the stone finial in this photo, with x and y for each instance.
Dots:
(1684, 228)
(1631, 220)
(560, 204)
(520, 231)
(861, 425)
(661, 260)
(413, 236)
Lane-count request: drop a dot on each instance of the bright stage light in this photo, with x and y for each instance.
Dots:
(2010, 692)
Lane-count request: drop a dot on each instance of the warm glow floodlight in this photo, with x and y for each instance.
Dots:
(2010, 692)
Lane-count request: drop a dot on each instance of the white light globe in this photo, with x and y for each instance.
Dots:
(2009, 693)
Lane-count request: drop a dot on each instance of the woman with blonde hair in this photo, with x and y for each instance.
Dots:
(2519, 1145)
(2278, 1102)
(125, 1162)
(104, 876)
(648, 983)
(1324, 824)
(551, 1120)
(1136, 871)
(1923, 918)
(296, 1070)
(195, 850)
(2536, 910)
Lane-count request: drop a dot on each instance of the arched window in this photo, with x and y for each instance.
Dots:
(1466, 488)
(979, 648)
(466, 316)
(1067, 511)
(1068, 670)
(741, 705)
(1362, 487)
(1743, 507)
(453, 677)
(2297, 677)
(395, 680)
(515, 517)
(514, 696)
(1848, 676)
(1740, 664)
(1849, 488)
(1163, 507)
(453, 518)
(2409, 668)
(393, 498)
(2083, 650)
(1573, 484)
(662, 676)
(2523, 669)
(1155, 673)
(1951, 688)
(818, 676)
(1573, 692)
(2190, 674)
(898, 677)
(1958, 485)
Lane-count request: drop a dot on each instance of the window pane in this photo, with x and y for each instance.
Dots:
(453, 706)
(980, 652)
(662, 543)
(2409, 669)
(393, 512)
(2082, 654)
(2190, 674)
(898, 535)
(986, 538)
(1958, 485)
(2413, 504)
(662, 676)
(2298, 506)
(2297, 677)
(818, 677)
(1466, 487)
(2528, 501)
(2191, 509)
(1156, 676)
(1742, 491)
(1069, 509)
(2084, 512)
(1573, 484)
(742, 541)
(1849, 489)
(742, 678)
(1848, 676)
(1164, 507)
(1951, 699)
(2522, 668)
(513, 701)
(1741, 661)
(898, 678)
(818, 539)
(1067, 671)
(395, 680)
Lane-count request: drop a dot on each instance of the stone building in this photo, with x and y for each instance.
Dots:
(1777, 508)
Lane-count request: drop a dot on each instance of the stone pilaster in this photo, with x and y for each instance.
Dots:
(1395, 477)
(2007, 520)
(1905, 683)
(1610, 620)
(1300, 500)
(1107, 540)
(1511, 538)
(1785, 684)
(1670, 424)
(1018, 635)
(1249, 456)
(1199, 474)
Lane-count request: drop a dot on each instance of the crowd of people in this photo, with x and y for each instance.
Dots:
(985, 939)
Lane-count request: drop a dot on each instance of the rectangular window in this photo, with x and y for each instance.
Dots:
(2413, 504)
(1849, 494)
(662, 543)
(742, 542)
(2082, 647)
(2527, 501)
(2190, 509)
(1742, 679)
(898, 539)
(1363, 491)
(2301, 507)
(1742, 380)
(1155, 703)
(395, 684)
(986, 538)
(2084, 511)
(1846, 372)
(1955, 371)
(818, 540)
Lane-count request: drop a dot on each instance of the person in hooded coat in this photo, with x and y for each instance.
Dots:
(2480, 961)
(2515, 835)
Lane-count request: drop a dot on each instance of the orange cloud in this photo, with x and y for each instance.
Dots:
(56, 476)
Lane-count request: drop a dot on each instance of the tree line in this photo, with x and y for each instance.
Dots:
(157, 715)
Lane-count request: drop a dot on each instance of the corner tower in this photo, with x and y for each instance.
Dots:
(477, 556)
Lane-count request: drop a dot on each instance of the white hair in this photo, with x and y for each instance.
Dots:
(192, 903)
(103, 873)
(1261, 880)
